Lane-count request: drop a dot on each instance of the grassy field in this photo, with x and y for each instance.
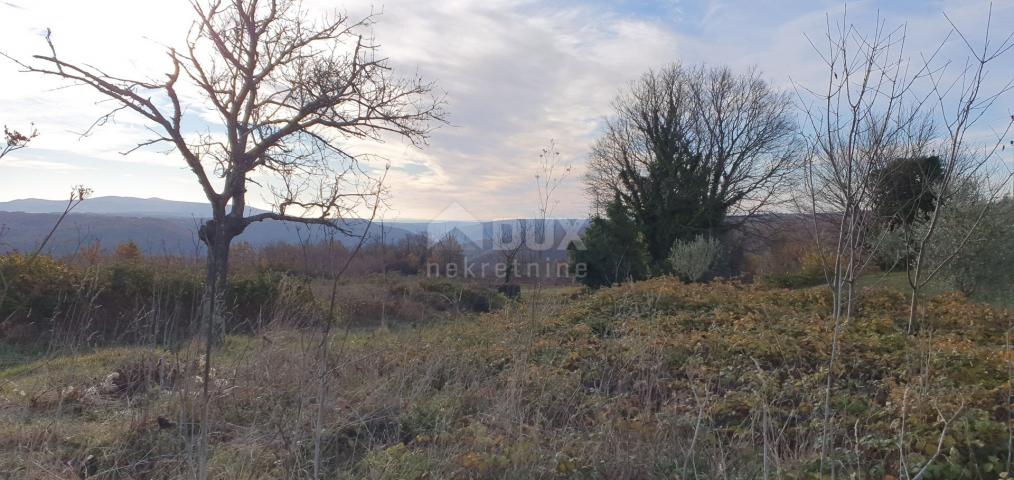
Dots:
(898, 281)
(651, 380)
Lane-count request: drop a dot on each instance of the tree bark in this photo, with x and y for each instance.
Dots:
(217, 234)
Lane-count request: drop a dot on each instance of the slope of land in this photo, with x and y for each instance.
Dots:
(651, 380)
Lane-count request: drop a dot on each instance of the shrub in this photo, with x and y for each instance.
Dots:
(251, 296)
(984, 268)
(691, 260)
(811, 273)
(32, 285)
(126, 300)
(128, 251)
(464, 296)
(792, 280)
(382, 300)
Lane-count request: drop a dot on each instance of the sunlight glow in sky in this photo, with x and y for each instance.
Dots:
(518, 73)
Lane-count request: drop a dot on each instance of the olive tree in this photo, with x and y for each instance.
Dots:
(691, 259)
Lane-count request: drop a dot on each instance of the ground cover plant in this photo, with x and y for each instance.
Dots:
(655, 379)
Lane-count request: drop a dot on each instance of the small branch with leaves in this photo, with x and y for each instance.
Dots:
(15, 140)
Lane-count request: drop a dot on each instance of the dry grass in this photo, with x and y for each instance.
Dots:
(652, 380)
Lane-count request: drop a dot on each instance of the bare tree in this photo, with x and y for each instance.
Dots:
(329, 324)
(878, 106)
(961, 103)
(865, 114)
(287, 91)
(689, 146)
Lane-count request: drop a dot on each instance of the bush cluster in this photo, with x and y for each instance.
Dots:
(397, 299)
(810, 273)
(126, 300)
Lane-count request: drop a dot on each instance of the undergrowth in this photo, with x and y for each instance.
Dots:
(656, 379)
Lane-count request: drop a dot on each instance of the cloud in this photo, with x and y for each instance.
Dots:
(517, 74)
(22, 163)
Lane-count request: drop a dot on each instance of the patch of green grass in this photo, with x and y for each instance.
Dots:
(94, 364)
(898, 281)
(14, 354)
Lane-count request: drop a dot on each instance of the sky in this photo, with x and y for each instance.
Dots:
(517, 75)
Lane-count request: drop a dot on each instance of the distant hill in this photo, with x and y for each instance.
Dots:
(122, 206)
(154, 235)
(161, 226)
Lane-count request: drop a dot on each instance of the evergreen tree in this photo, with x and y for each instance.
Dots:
(905, 190)
(688, 147)
(615, 250)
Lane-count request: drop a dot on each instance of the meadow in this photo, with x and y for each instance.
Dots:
(654, 379)
(798, 269)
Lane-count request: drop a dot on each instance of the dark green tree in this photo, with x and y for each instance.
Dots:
(674, 203)
(614, 250)
(687, 148)
(904, 191)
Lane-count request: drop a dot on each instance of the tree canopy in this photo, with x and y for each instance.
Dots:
(288, 91)
(614, 250)
(904, 189)
(689, 146)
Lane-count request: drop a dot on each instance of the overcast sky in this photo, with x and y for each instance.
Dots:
(517, 73)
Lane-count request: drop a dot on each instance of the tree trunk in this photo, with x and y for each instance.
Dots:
(217, 235)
